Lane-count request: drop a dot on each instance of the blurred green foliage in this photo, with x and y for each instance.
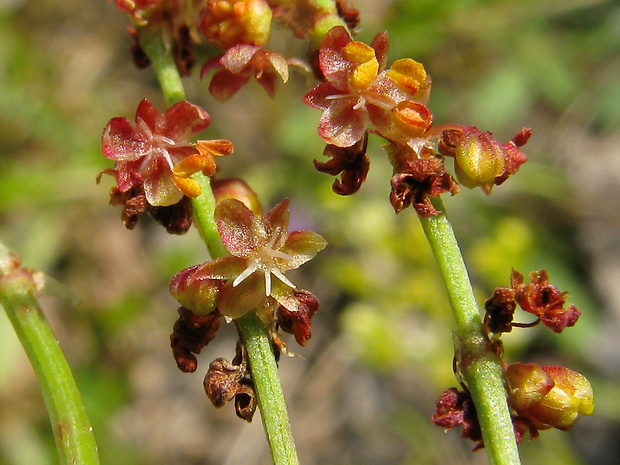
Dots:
(381, 350)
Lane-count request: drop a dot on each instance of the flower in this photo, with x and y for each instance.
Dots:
(154, 154)
(253, 277)
(240, 63)
(358, 90)
(549, 396)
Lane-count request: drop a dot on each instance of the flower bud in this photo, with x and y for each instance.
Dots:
(195, 292)
(228, 23)
(549, 396)
(478, 159)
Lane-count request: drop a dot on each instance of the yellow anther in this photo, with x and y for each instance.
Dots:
(358, 52)
(407, 74)
(364, 74)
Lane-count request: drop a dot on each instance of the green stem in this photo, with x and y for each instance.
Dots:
(154, 44)
(72, 430)
(268, 390)
(479, 365)
(254, 333)
(257, 341)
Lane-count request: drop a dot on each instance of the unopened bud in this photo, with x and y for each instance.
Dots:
(549, 396)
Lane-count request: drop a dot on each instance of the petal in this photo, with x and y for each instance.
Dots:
(240, 229)
(184, 119)
(275, 224)
(302, 246)
(238, 57)
(342, 124)
(381, 44)
(223, 268)
(121, 141)
(280, 64)
(224, 84)
(322, 96)
(159, 187)
(268, 82)
(333, 64)
(194, 291)
(234, 302)
(147, 112)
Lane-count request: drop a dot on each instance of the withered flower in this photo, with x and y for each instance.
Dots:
(226, 381)
(499, 310)
(456, 408)
(543, 299)
(417, 177)
(351, 163)
(190, 334)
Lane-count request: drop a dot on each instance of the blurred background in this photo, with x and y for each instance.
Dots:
(363, 389)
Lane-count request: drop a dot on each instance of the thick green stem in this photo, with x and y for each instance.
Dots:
(73, 433)
(481, 368)
(254, 333)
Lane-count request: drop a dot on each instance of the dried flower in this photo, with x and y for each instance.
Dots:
(499, 310)
(549, 396)
(192, 332)
(226, 381)
(456, 408)
(351, 163)
(544, 300)
(294, 318)
(416, 177)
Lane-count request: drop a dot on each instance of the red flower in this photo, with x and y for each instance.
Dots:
(358, 90)
(154, 153)
(262, 250)
(240, 63)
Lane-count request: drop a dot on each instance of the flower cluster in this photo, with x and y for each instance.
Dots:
(540, 397)
(360, 95)
(240, 27)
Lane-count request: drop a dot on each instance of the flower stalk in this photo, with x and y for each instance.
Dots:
(73, 433)
(254, 333)
(478, 364)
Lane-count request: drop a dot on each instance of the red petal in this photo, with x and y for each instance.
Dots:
(159, 187)
(381, 44)
(224, 84)
(341, 124)
(334, 66)
(240, 230)
(238, 57)
(234, 302)
(149, 114)
(120, 141)
(184, 119)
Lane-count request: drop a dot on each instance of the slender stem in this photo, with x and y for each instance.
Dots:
(254, 333)
(268, 390)
(481, 368)
(73, 433)
(257, 341)
(154, 44)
